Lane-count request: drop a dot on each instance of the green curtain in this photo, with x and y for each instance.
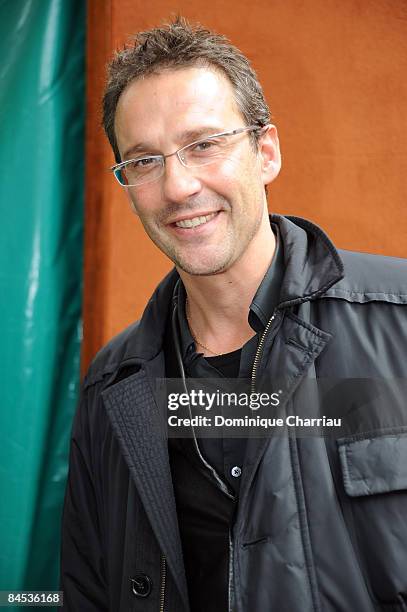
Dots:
(41, 199)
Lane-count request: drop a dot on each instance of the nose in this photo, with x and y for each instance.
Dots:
(179, 183)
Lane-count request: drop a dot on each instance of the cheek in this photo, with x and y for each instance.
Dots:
(132, 201)
(142, 202)
(223, 178)
(228, 166)
(241, 170)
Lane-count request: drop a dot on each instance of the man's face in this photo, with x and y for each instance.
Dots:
(169, 110)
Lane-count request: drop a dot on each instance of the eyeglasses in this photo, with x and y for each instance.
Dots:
(149, 168)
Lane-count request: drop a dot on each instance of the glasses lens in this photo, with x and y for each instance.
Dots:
(139, 171)
(206, 151)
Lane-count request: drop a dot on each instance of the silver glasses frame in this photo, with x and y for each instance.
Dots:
(117, 167)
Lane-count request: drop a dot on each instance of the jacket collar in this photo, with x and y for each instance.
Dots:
(312, 263)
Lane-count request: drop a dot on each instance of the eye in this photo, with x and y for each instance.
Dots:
(142, 165)
(207, 147)
(144, 162)
(204, 145)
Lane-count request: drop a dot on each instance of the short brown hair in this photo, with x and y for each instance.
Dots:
(177, 45)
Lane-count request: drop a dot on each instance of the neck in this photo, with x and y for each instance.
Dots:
(218, 304)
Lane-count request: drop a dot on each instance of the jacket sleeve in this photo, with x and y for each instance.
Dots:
(83, 579)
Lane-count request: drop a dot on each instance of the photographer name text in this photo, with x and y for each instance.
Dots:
(252, 421)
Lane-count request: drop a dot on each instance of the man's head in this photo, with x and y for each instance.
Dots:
(179, 45)
(158, 107)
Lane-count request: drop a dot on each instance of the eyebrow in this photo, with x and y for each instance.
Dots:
(188, 136)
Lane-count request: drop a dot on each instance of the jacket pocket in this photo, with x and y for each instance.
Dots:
(374, 465)
(374, 475)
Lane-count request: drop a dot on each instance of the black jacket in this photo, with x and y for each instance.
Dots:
(321, 521)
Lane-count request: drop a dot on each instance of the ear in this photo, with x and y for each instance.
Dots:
(270, 156)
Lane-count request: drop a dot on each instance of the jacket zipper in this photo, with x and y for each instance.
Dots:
(259, 351)
(252, 389)
(163, 579)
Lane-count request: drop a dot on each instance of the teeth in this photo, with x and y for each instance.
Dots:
(195, 221)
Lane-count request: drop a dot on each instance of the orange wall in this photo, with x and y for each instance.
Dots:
(334, 73)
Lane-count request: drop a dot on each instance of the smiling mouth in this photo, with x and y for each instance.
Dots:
(195, 221)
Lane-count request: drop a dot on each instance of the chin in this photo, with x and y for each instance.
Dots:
(201, 268)
(199, 260)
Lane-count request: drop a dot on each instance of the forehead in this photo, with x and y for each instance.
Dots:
(162, 106)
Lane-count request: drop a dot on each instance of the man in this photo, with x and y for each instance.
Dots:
(255, 523)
